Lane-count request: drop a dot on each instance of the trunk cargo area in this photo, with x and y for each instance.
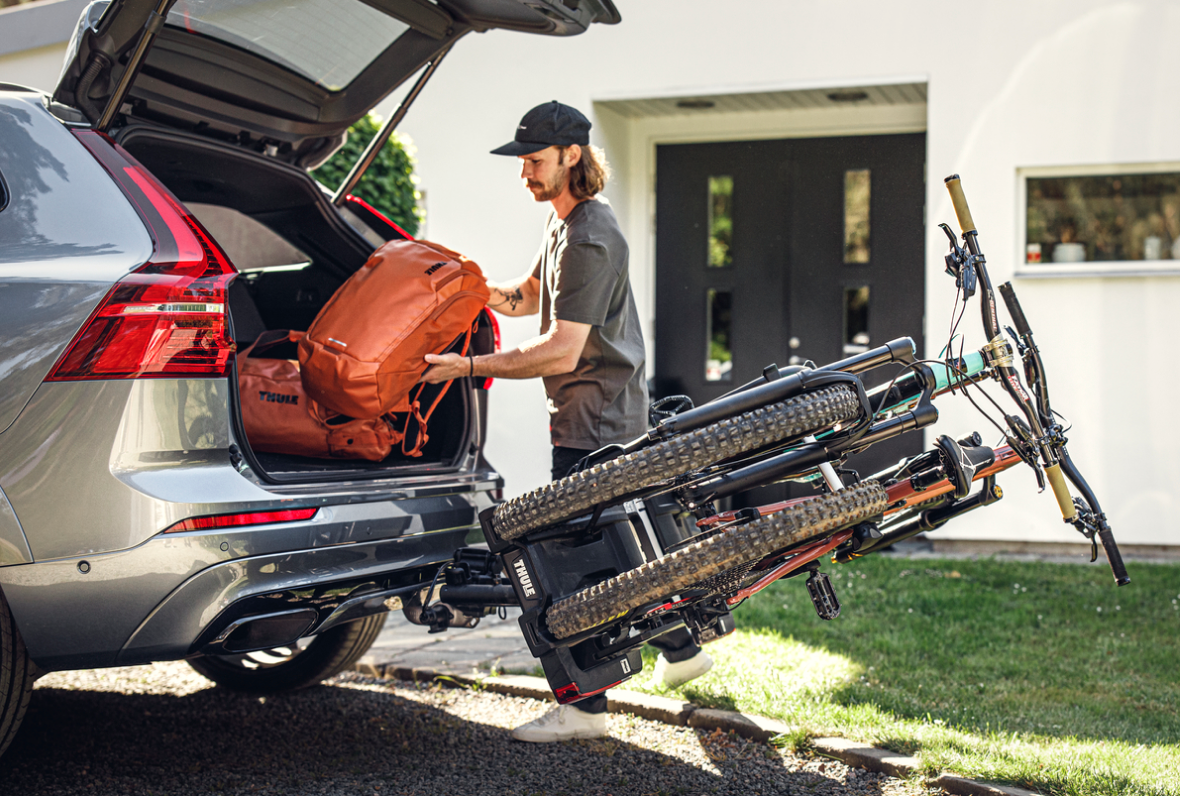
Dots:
(293, 250)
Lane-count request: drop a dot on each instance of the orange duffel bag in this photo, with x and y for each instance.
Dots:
(280, 418)
(365, 349)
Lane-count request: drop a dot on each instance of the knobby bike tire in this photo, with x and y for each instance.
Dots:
(689, 566)
(579, 493)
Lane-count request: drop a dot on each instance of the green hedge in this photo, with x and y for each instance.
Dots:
(389, 183)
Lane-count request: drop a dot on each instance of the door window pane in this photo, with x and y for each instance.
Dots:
(1103, 217)
(720, 221)
(856, 216)
(718, 320)
(856, 320)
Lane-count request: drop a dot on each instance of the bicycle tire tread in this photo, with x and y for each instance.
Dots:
(684, 568)
(581, 492)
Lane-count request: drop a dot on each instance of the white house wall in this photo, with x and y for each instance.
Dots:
(1010, 85)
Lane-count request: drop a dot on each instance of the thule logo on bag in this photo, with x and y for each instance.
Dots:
(277, 397)
(523, 577)
(434, 268)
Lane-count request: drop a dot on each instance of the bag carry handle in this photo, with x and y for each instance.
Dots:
(421, 438)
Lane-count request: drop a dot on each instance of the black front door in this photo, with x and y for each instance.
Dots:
(786, 251)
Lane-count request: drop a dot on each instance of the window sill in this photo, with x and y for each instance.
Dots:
(1106, 268)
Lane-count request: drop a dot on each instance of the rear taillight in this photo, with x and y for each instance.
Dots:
(238, 520)
(168, 318)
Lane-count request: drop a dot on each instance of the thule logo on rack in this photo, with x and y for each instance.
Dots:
(523, 577)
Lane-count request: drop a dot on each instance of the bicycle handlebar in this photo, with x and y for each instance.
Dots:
(959, 200)
(1046, 434)
(1014, 310)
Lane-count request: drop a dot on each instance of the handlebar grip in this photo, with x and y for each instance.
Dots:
(1061, 491)
(1014, 309)
(1113, 557)
(959, 200)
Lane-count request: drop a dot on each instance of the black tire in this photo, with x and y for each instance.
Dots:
(581, 492)
(291, 668)
(709, 557)
(17, 675)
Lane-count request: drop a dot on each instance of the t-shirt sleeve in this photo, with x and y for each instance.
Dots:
(540, 258)
(585, 284)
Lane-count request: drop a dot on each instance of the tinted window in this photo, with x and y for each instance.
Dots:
(327, 41)
(3, 193)
(1114, 217)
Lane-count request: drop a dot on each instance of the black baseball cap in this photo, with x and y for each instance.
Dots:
(551, 124)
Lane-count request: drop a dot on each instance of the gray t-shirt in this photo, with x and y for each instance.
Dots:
(582, 266)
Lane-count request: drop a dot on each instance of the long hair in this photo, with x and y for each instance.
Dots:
(589, 175)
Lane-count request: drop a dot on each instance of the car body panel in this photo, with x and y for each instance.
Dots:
(66, 236)
(142, 455)
(233, 69)
(95, 473)
(14, 547)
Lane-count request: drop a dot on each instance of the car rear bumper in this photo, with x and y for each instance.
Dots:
(96, 472)
(171, 596)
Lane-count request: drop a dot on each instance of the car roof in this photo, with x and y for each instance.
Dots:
(290, 75)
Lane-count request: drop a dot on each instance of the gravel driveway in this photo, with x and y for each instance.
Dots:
(163, 729)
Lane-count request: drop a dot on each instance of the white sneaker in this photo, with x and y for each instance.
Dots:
(563, 723)
(680, 672)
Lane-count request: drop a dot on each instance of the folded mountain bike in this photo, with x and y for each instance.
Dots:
(631, 546)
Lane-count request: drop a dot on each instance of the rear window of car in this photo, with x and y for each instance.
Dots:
(327, 41)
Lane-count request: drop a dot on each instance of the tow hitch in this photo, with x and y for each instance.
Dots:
(472, 587)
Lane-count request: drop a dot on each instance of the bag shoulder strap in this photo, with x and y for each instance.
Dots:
(416, 414)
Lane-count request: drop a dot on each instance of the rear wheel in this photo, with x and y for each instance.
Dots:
(690, 566)
(290, 668)
(16, 677)
(581, 492)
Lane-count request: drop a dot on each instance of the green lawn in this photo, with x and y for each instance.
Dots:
(1041, 675)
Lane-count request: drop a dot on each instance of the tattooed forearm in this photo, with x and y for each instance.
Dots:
(513, 298)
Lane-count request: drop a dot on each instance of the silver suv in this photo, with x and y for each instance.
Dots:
(156, 214)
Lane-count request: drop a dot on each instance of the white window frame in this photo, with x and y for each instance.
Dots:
(1098, 268)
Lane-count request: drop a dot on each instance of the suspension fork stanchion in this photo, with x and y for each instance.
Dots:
(831, 478)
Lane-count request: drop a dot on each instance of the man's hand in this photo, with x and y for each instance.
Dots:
(445, 367)
(555, 352)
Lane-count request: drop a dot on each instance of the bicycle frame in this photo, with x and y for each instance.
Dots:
(622, 535)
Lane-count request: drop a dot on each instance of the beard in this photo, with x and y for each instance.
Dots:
(547, 192)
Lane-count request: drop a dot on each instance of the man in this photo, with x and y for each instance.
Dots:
(590, 352)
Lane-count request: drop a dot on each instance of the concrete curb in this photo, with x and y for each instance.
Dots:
(685, 714)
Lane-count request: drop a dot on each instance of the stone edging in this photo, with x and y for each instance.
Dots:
(686, 714)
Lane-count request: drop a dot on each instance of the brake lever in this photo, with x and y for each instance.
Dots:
(960, 264)
(1021, 441)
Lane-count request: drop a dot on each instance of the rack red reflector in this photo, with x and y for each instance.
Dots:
(237, 520)
(167, 319)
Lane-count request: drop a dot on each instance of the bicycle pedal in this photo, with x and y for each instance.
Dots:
(823, 596)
